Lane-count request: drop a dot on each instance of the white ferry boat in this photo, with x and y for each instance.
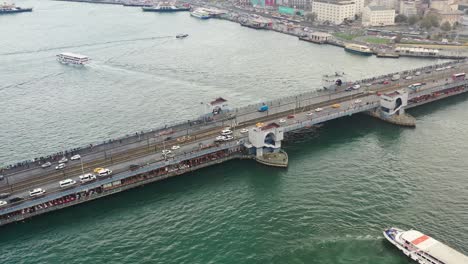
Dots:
(423, 248)
(200, 13)
(71, 58)
(358, 49)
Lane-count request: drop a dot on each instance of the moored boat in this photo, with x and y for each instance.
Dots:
(166, 7)
(358, 49)
(423, 248)
(182, 35)
(200, 13)
(12, 8)
(72, 58)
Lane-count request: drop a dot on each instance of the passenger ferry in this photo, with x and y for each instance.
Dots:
(71, 58)
(422, 248)
(359, 49)
(12, 8)
(166, 7)
(200, 13)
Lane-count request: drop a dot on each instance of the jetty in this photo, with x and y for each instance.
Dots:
(257, 132)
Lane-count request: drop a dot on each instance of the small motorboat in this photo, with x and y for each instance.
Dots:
(182, 36)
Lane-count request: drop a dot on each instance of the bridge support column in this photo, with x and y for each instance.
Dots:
(392, 109)
(266, 140)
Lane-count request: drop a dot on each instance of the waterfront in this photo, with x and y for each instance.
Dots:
(355, 178)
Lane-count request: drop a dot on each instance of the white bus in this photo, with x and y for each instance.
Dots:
(36, 192)
(67, 183)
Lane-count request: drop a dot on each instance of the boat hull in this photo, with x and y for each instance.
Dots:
(145, 9)
(13, 11)
(364, 53)
(405, 251)
(200, 17)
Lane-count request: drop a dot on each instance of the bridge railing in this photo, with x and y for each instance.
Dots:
(321, 119)
(438, 88)
(119, 176)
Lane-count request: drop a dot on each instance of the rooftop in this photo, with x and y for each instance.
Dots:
(270, 126)
(334, 2)
(78, 56)
(434, 248)
(379, 8)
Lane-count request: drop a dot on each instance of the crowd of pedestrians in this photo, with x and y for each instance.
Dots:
(59, 201)
(433, 95)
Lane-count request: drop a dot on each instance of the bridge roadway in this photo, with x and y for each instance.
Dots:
(147, 149)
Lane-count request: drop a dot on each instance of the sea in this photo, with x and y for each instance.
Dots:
(345, 183)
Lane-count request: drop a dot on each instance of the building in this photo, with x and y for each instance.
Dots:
(334, 12)
(359, 6)
(389, 4)
(300, 4)
(378, 16)
(446, 11)
(408, 8)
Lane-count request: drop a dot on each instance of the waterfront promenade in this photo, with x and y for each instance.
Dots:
(137, 159)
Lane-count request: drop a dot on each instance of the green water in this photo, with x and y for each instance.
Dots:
(345, 182)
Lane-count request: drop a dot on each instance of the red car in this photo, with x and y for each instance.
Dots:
(386, 82)
(290, 116)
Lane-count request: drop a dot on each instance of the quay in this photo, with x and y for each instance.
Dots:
(257, 130)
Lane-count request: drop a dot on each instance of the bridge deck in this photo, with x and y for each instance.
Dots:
(144, 149)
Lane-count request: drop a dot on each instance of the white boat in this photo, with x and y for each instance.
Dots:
(423, 248)
(72, 58)
(200, 13)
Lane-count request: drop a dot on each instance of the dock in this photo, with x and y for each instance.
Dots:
(137, 159)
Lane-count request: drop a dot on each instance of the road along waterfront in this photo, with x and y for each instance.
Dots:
(268, 198)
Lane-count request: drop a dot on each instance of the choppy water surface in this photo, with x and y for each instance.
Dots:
(344, 184)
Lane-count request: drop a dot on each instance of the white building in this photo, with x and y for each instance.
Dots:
(408, 8)
(359, 6)
(334, 11)
(390, 4)
(378, 16)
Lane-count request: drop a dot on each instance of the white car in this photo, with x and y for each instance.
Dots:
(60, 166)
(219, 138)
(166, 151)
(63, 160)
(227, 138)
(3, 203)
(417, 73)
(46, 165)
(175, 147)
(104, 172)
(226, 132)
(356, 86)
(310, 114)
(76, 157)
(408, 77)
(358, 101)
(368, 84)
(244, 130)
(282, 120)
(36, 192)
(87, 177)
(318, 109)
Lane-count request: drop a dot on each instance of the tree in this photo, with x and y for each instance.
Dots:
(413, 19)
(311, 16)
(426, 23)
(435, 21)
(401, 18)
(446, 26)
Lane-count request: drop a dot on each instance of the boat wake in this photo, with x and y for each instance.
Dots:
(32, 80)
(85, 45)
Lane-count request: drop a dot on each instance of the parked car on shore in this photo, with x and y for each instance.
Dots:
(75, 157)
